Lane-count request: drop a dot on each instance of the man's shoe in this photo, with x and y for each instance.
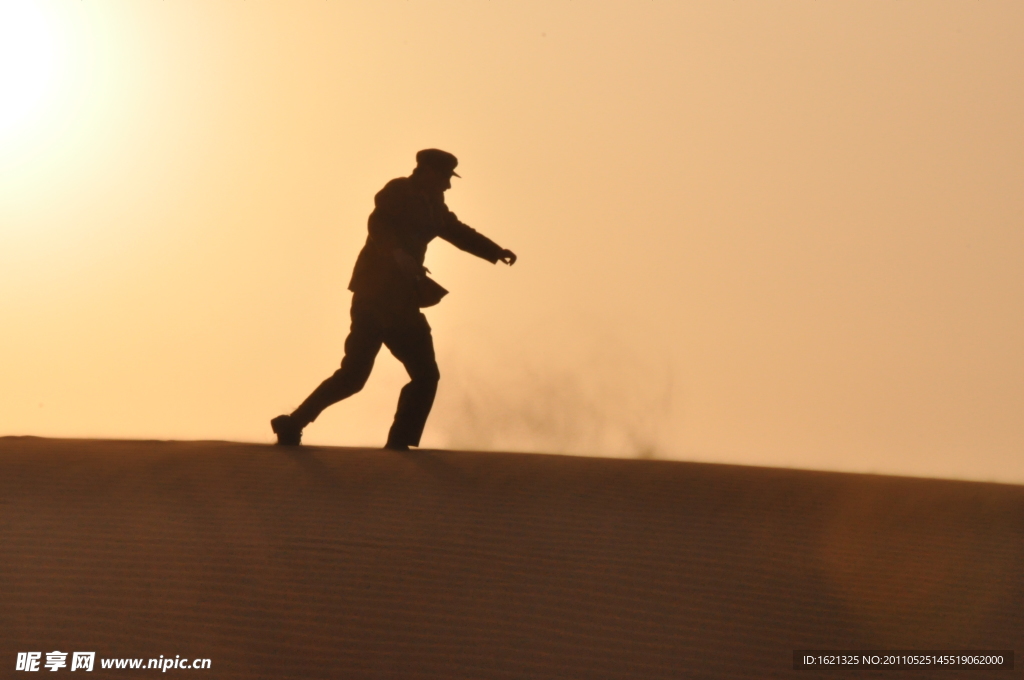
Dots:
(289, 432)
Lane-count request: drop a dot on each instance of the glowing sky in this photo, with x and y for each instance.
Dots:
(773, 233)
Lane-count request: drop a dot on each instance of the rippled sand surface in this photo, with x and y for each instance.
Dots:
(352, 563)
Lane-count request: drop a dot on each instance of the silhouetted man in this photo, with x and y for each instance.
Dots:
(389, 286)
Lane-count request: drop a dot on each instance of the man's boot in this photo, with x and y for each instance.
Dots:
(288, 430)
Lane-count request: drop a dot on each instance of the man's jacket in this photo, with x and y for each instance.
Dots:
(407, 218)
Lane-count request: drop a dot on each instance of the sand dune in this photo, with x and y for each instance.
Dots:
(352, 563)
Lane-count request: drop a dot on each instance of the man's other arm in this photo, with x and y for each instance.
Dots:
(391, 210)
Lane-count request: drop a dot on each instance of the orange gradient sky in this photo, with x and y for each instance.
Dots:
(771, 233)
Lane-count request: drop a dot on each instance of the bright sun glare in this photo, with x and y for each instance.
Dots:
(27, 63)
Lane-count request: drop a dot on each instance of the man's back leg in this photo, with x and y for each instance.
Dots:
(361, 348)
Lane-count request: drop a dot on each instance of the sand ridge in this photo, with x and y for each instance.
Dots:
(323, 562)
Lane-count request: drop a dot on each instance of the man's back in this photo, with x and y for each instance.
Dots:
(405, 219)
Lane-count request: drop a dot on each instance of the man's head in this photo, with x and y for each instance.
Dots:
(436, 167)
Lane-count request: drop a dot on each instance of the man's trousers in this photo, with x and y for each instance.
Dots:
(407, 334)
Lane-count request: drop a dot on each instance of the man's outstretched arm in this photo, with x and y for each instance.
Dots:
(466, 238)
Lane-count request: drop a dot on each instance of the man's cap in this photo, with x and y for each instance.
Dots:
(438, 160)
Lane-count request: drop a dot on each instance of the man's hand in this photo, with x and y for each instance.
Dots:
(407, 264)
(508, 257)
